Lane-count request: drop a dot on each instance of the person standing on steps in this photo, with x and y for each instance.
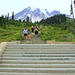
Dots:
(45, 28)
(36, 32)
(36, 26)
(25, 33)
(29, 33)
(32, 29)
(40, 27)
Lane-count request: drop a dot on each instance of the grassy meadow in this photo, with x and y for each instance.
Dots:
(62, 32)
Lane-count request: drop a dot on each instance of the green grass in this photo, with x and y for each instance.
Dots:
(55, 33)
(10, 33)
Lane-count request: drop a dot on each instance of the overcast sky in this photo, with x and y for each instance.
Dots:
(18, 5)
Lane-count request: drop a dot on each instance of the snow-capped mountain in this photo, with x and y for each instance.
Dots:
(55, 13)
(35, 14)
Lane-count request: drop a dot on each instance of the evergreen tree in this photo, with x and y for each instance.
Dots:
(24, 20)
(19, 20)
(30, 19)
(12, 15)
(57, 19)
(1, 21)
(8, 19)
(8, 15)
(42, 21)
(4, 25)
(27, 19)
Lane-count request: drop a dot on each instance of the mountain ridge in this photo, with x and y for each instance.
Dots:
(35, 14)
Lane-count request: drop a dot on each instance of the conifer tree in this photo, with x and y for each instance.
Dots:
(19, 20)
(30, 19)
(12, 15)
(24, 20)
(8, 15)
(1, 21)
(27, 19)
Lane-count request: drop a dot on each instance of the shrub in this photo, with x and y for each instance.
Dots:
(2, 30)
(19, 37)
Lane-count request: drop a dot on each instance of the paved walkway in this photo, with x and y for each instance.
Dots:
(33, 40)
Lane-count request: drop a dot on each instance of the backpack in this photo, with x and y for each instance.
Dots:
(29, 32)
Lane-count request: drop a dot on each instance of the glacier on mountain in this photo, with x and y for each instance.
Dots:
(35, 14)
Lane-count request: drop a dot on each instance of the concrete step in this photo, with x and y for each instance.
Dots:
(36, 51)
(39, 49)
(45, 45)
(38, 55)
(37, 58)
(41, 46)
(11, 73)
(38, 70)
(38, 61)
(70, 52)
(37, 65)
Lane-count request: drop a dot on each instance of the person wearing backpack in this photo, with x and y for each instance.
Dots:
(25, 33)
(36, 32)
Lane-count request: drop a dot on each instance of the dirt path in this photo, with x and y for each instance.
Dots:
(33, 40)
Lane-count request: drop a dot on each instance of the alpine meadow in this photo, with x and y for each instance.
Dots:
(59, 28)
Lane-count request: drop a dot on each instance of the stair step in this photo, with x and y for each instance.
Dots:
(38, 52)
(39, 61)
(39, 49)
(37, 65)
(38, 55)
(37, 58)
(43, 45)
(38, 70)
(11, 73)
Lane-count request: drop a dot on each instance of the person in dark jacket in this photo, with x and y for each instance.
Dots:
(36, 32)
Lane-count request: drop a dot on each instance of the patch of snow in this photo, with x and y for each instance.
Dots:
(29, 15)
(36, 19)
(19, 17)
(44, 11)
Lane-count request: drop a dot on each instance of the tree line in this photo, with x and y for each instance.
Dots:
(5, 21)
(57, 19)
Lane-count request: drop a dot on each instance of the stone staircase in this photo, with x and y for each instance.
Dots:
(38, 59)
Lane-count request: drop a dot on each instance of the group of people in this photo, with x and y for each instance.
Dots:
(43, 27)
(27, 33)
